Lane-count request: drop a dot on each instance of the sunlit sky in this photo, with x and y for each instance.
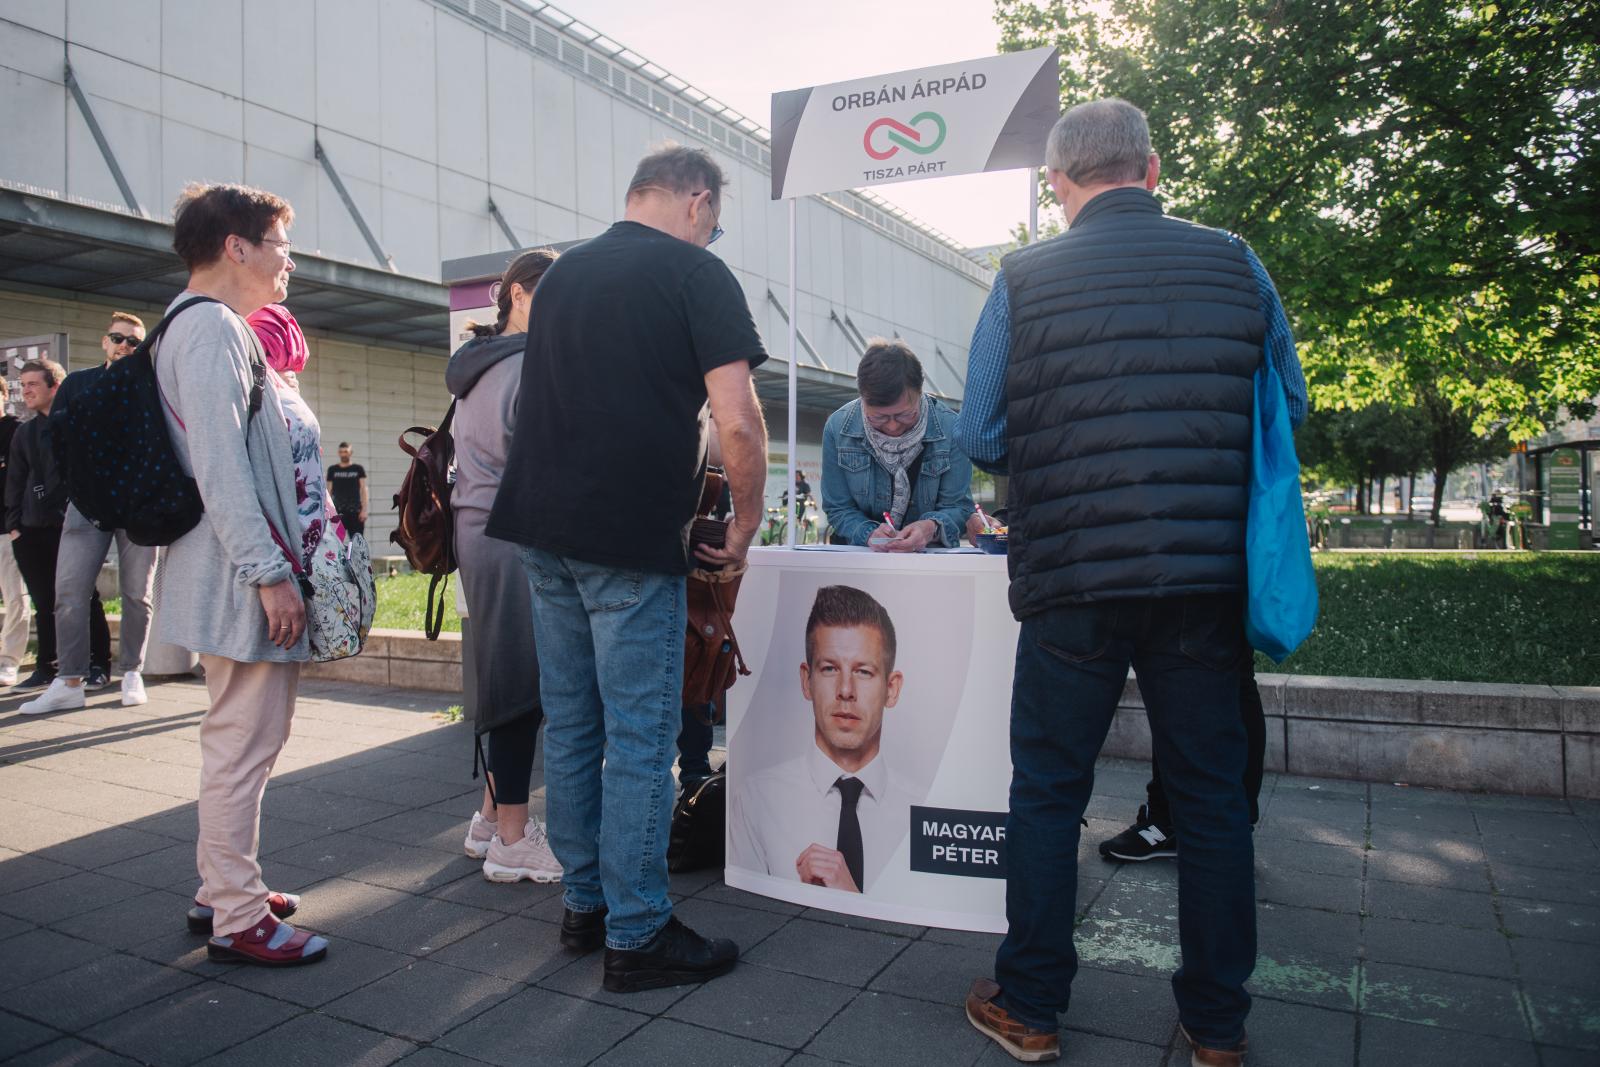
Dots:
(742, 51)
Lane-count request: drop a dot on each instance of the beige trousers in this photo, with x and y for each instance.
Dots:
(240, 739)
(14, 633)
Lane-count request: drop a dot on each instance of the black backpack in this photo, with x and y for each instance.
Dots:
(115, 455)
(697, 825)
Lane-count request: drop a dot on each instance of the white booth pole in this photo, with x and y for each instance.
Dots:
(794, 361)
(1033, 206)
(993, 113)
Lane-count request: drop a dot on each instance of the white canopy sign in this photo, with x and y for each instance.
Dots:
(993, 113)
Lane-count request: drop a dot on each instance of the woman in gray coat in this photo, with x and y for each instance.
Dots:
(485, 377)
(228, 590)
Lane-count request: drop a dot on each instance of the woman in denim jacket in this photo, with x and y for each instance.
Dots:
(893, 451)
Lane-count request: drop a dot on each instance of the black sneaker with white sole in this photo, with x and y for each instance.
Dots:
(1144, 840)
(39, 679)
(97, 679)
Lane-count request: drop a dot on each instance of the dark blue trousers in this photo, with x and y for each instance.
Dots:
(1072, 662)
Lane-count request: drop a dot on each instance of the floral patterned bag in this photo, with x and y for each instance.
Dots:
(339, 593)
(340, 608)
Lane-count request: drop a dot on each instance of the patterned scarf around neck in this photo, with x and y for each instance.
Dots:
(896, 455)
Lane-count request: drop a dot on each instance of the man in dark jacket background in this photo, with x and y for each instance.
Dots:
(36, 504)
(13, 592)
(1112, 377)
(83, 640)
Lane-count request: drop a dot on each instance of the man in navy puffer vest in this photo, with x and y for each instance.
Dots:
(1112, 376)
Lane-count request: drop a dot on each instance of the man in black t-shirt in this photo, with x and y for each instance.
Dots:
(347, 482)
(630, 334)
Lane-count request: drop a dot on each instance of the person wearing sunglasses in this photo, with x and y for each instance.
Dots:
(83, 640)
(893, 477)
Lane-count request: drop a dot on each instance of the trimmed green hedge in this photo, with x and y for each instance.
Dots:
(1525, 617)
(1457, 616)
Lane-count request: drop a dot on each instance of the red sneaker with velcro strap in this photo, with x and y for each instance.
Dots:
(282, 905)
(269, 943)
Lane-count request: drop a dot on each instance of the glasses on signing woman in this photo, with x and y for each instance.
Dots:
(897, 418)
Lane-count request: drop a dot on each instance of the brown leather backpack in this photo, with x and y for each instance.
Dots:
(711, 658)
(426, 531)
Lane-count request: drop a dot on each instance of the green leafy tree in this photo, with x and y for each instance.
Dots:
(1420, 177)
(1360, 446)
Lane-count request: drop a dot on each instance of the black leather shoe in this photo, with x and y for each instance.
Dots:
(583, 931)
(677, 956)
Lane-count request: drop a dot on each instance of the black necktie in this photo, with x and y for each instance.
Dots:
(850, 826)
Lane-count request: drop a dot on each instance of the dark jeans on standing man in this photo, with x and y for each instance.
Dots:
(694, 744)
(352, 522)
(35, 550)
(1254, 718)
(1072, 663)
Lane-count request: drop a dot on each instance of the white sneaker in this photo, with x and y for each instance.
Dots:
(133, 693)
(59, 697)
(479, 834)
(529, 858)
(8, 675)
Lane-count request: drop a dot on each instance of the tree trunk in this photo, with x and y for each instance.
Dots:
(1361, 496)
(1383, 487)
(1411, 495)
(1438, 493)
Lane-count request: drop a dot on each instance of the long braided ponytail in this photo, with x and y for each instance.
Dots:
(525, 270)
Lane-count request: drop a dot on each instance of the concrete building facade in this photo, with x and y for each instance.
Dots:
(407, 133)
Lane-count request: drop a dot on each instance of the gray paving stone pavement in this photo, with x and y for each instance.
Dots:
(1397, 926)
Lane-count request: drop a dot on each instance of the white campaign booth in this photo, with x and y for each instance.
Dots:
(946, 739)
(935, 855)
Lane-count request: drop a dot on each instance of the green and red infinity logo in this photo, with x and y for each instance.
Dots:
(901, 135)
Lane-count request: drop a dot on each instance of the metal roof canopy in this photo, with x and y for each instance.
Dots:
(490, 265)
(52, 244)
(56, 244)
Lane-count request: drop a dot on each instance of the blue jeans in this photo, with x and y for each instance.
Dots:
(611, 678)
(1071, 665)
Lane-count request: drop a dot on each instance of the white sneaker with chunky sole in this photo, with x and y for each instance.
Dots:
(529, 858)
(479, 833)
(133, 693)
(59, 697)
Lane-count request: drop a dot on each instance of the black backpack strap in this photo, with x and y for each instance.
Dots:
(433, 611)
(148, 344)
(258, 376)
(449, 417)
(258, 359)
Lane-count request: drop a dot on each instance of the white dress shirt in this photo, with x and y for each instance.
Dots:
(783, 810)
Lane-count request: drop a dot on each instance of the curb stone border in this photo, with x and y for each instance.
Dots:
(1536, 740)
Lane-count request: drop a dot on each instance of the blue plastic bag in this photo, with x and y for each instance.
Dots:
(1282, 605)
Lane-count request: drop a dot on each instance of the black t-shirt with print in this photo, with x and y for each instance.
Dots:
(345, 485)
(609, 451)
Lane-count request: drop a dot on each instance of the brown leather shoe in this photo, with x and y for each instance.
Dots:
(1201, 1056)
(1021, 1041)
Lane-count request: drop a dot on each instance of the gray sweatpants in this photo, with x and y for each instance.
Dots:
(83, 550)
